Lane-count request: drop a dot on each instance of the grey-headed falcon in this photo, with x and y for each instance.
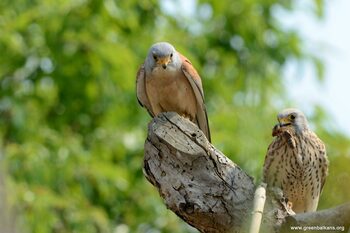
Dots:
(296, 161)
(167, 82)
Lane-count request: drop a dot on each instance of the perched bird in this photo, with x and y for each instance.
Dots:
(167, 82)
(296, 161)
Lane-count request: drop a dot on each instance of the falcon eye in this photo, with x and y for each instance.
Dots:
(292, 116)
(171, 55)
(154, 57)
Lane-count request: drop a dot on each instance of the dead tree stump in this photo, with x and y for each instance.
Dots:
(197, 182)
(209, 191)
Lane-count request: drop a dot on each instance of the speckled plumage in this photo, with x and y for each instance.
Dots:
(296, 161)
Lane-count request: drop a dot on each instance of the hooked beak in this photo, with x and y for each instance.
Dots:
(164, 61)
(284, 122)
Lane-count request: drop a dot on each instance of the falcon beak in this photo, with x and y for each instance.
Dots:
(284, 121)
(164, 61)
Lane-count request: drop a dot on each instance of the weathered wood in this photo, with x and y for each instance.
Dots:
(196, 181)
(336, 219)
(209, 191)
(277, 208)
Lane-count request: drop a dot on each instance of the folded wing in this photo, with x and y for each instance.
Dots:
(196, 84)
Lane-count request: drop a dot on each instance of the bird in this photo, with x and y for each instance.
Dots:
(168, 82)
(296, 161)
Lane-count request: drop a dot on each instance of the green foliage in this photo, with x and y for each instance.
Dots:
(72, 132)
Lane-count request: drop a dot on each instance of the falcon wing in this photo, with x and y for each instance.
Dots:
(323, 160)
(272, 171)
(324, 173)
(196, 84)
(141, 93)
(269, 157)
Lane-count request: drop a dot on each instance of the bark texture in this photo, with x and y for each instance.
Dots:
(210, 192)
(196, 181)
(336, 219)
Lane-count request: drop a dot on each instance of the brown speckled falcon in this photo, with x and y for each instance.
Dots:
(167, 82)
(296, 161)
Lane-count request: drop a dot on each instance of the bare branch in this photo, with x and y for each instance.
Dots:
(321, 221)
(258, 208)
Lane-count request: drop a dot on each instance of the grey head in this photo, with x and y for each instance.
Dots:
(294, 118)
(162, 55)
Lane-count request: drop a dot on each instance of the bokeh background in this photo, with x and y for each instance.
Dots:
(72, 132)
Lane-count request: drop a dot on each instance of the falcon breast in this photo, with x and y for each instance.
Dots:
(296, 161)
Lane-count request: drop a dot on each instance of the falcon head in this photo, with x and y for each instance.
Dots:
(162, 55)
(292, 118)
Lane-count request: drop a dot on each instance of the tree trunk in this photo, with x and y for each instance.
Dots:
(209, 191)
(197, 182)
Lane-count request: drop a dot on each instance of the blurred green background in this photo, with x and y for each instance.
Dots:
(72, 132)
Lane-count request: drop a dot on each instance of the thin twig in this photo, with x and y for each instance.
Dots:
(258, 208)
